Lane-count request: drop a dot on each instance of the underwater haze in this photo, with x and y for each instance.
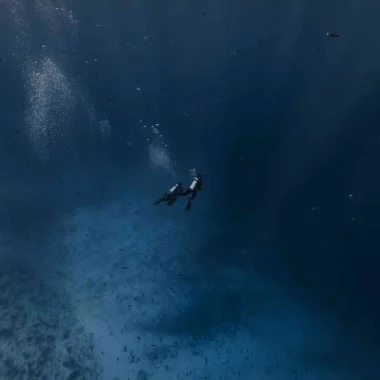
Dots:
(274, 272)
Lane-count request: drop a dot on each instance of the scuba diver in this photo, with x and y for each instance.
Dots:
(196, 184)
(171, 196)
(334, 34)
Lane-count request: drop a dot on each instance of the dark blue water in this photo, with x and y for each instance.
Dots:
(273, 274)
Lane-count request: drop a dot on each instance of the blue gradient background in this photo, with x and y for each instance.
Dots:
(273, 274)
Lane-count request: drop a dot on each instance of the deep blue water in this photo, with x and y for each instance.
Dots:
(273, 274)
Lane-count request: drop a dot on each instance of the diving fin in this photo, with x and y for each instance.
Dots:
(188, 206)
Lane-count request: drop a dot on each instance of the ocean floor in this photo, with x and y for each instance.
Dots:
(112, 291)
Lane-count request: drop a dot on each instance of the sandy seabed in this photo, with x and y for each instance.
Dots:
(112, 292)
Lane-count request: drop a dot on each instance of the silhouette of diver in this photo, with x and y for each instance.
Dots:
(195, 186)
(171, 196)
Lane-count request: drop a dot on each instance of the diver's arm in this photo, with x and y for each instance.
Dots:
(187, 192)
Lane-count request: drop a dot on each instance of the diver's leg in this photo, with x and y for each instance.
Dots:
(171, 200)
(189, 201)
(164, 198)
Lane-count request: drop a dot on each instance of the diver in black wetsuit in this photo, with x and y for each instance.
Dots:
(171, 196)
(195, 186)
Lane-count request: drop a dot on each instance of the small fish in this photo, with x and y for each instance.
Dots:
(138, 88)
(333, 34)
